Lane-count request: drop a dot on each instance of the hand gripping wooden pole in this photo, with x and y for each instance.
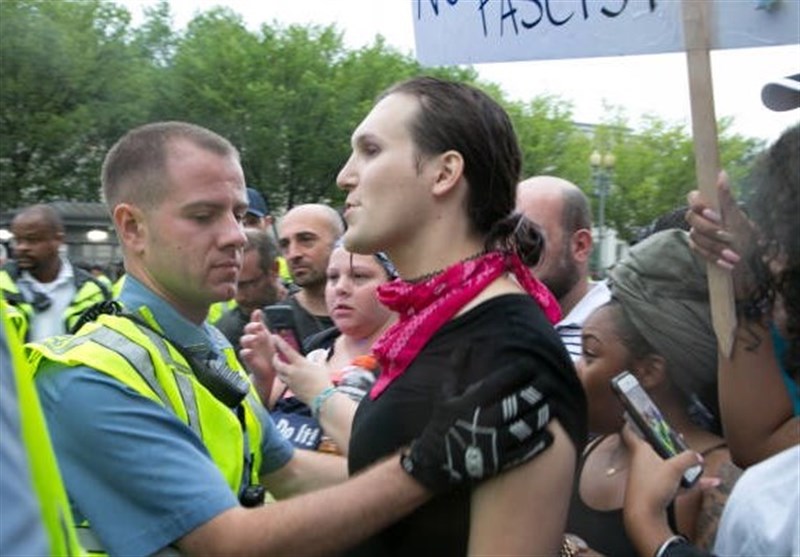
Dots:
(696, 28)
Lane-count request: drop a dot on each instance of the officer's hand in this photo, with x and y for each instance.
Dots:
(494, 425)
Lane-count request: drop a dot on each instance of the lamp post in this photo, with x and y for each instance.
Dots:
(602, 166)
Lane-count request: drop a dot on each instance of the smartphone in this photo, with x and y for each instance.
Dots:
(280, 321)
(651, 423)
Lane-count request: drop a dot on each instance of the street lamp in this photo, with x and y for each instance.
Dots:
(602, 166)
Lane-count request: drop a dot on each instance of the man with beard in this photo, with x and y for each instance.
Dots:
(306, 237)
(49, 292)
(562, 210)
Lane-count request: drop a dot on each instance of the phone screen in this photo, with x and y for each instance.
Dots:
(651, 422)
(280, 321)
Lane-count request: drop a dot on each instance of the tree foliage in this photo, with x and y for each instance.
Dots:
(76, 75)
(69, 83)
(654, 168)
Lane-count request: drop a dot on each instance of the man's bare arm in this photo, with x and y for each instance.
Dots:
(306, 471)
(319, 523)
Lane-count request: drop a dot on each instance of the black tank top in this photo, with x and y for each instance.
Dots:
(604, 531)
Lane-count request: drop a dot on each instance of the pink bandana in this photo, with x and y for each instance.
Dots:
(425, 306)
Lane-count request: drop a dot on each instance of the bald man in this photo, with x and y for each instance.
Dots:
(562, 210)
(306, 237)
(50, 293)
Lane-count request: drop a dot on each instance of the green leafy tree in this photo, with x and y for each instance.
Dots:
(76, 75)
(273, 93)
(655, 167)
(288, 97)
(69, 82)
(550, 141)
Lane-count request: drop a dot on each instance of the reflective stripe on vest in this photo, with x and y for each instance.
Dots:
(140, 360)
(45, 475)
(143, 360)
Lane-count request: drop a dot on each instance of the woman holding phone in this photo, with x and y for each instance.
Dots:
(759, 383)
(657, 327)
(323, 388)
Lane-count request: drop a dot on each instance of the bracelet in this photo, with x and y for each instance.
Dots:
(319, 400)
(568, 549)
(572, 546)
(672, 540)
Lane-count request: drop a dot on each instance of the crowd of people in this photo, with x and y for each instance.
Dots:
(451, 390)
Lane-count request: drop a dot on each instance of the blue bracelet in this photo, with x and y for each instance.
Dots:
(319, 400)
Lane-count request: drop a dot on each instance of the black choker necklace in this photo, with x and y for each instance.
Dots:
(429, 276)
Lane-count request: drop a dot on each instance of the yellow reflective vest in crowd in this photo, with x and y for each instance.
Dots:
(147, 362)
(47, 483)
(88, 291)
(218, 309)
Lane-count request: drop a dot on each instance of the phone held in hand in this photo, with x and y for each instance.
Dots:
(651, 423)
(280, 321)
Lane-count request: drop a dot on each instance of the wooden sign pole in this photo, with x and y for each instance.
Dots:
(706, 151)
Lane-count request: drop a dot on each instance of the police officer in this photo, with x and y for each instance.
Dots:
(35, 517)
(49, 291)
(159, 434)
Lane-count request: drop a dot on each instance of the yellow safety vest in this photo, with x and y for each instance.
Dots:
(218, 309)
(88, 291)
(145, 361)
(53, 502)
(283, 270)
(116, 288)
(15, 320)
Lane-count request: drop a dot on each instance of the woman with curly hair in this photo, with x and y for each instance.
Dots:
(761, 249)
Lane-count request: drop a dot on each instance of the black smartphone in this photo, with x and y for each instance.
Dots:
(651, 423)
(280, 321)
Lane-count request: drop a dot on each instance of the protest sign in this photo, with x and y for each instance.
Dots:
(477, 31)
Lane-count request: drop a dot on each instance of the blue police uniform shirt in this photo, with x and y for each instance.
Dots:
(140, 476)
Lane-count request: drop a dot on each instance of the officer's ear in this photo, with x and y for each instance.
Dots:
(130, 224)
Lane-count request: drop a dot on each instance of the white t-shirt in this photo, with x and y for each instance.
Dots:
(571, 326)
(61, 291)
(762, 515)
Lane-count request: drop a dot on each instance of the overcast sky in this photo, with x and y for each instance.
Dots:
(654, 84)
